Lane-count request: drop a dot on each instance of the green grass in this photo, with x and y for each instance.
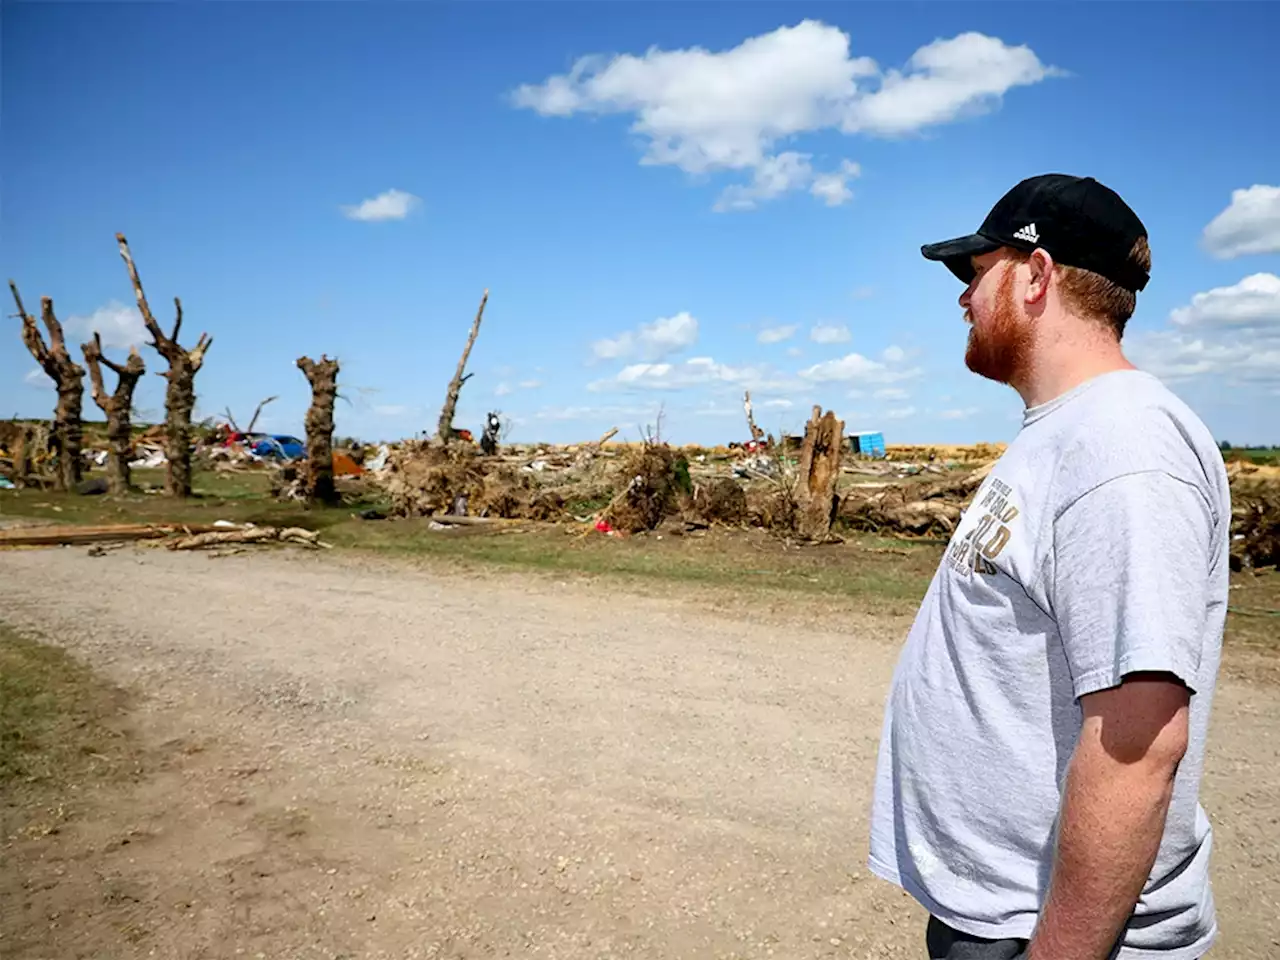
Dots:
(744, 560)
(54, 715)
(238, 497)
(1258, 455)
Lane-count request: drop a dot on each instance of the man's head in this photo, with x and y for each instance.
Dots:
(1058, 260)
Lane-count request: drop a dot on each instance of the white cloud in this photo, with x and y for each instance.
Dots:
(1231, 334)
(776, 334)
(794, 352)
(651, 341)
(1251, 224)
(529, 384)
(1250, 306)
(894, 354)
(36, 377)
(833, 188)
(777, 404)
(830, 333)
(694, 372)
(962, 413)
(891, 393)
(502, 389)
(863, 293)
(900, 413)
(705, 111)
(944, 81)
(391, 205)
(1177, 358)
(773, 176)
(119, 326)
(856, 367)
(559, 414)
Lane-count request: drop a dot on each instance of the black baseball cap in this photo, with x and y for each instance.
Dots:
(1078, 221)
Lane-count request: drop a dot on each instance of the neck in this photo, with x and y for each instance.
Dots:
(1063, 367)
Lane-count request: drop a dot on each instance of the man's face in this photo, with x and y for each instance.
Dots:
(999, 334)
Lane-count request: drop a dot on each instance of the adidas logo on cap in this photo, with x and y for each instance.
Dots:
(1028, 233)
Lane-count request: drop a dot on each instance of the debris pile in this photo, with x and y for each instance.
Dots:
(914, 509)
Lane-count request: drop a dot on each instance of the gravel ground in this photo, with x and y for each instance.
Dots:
(355, 759)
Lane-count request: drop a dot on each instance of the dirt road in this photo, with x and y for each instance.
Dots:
(361, 760)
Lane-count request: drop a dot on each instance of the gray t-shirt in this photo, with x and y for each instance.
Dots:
(1097, 546)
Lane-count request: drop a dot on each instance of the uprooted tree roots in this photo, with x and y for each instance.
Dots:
(656, 483)
(429, 479)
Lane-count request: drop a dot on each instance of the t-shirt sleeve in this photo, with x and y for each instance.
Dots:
(1130, 580)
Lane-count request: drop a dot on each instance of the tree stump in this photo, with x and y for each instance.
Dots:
(117, 407)
(180, 394)
(818, 471)
(68, 379)
(318, 486)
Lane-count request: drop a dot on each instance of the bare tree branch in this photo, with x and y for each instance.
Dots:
(159, 340)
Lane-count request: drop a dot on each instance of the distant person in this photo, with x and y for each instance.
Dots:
(1039, 771)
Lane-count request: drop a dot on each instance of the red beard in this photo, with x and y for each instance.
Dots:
(1000, 349)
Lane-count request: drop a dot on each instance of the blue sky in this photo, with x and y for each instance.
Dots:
(668, 202)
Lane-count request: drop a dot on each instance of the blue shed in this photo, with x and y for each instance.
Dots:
(868, 443)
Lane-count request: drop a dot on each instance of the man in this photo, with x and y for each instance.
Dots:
(1037, 786)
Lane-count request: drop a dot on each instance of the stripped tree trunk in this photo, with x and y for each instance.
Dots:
(318, 481)
(117, 407)
(24, 456)
(756, 433)
(180, 394)
(818, 471)
(67, 377)
(444, 430)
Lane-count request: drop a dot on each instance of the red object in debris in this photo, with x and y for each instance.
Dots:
(603, 526)
(754, 446)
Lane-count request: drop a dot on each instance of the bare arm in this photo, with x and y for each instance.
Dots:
(1116, 797)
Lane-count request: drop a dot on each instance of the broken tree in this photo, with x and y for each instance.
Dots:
(180, 394)
(444, 430)
(68, 378)
(818, 470)
(756, 433)
(117, 407)
(318, 479)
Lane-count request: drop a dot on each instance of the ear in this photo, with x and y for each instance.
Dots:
(1041, 266)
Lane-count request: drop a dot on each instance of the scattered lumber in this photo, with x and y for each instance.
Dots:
(74, 535)
(189, 536)
(306, 538)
